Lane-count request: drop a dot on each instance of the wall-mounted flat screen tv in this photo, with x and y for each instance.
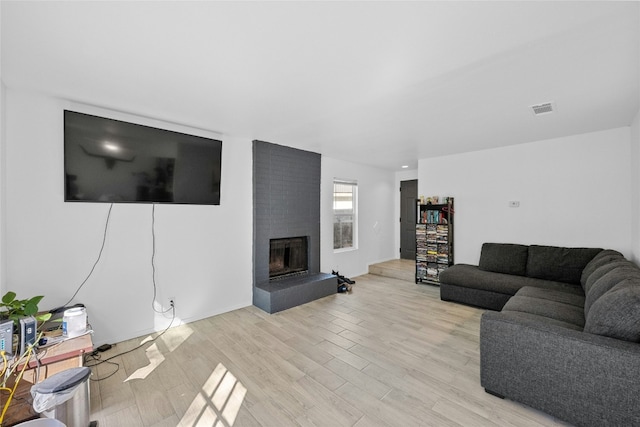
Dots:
(107, 160)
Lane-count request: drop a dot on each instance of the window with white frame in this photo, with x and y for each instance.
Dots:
(345, 202)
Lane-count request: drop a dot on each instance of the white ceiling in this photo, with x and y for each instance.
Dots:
(380, 83)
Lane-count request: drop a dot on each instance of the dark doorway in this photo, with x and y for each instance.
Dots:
(408, 197)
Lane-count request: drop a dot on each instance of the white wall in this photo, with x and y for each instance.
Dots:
(2, 187)
(2, 191)
(635, 189)
(375, 217)
(573, 191)
(203, 253)
(400, 176)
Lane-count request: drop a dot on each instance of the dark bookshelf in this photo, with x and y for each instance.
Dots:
(434, 240)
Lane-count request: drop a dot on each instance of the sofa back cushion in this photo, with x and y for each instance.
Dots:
(559, 264)
(604, 269)
(506, 258)
(616, 314)
(608, 280)
(602, 258)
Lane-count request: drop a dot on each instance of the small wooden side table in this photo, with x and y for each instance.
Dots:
(56, 358)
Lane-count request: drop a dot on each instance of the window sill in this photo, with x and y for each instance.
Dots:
(337, 251)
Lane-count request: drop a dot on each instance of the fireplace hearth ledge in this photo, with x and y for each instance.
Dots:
(277, 295)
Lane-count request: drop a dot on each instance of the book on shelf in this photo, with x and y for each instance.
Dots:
(421, 268)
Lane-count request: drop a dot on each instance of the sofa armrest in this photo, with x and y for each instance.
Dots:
(578, 377)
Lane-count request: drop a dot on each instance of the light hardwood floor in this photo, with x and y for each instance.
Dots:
(388, 354)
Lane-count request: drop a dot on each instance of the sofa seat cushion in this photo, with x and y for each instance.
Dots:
(506, 258)
(518, 318)
(559, 264)
(555, 310)
(470, 276)
(602, 258)
(553, 295)
(616, 314)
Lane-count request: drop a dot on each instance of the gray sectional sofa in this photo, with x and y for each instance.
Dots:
(566, 338)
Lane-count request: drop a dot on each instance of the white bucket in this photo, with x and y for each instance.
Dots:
(41, 422)
(74, 322)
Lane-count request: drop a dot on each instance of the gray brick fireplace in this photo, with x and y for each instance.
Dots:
(286, 205)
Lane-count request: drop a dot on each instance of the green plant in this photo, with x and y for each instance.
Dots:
(13, 309)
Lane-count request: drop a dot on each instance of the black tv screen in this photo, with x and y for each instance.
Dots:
(107, 160)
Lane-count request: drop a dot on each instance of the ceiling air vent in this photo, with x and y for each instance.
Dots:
(546, 108)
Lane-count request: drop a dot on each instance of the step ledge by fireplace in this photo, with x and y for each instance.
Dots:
(278, 295)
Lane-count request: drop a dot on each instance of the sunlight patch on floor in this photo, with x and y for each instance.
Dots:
(171, 338)
(155, 359)
(218, 402)
(175, 336)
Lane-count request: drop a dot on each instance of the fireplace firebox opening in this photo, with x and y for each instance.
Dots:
(288, 257)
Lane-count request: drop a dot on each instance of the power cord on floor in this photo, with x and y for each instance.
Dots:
(95, 357)
(98, 360)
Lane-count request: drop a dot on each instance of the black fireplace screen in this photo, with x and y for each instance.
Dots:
(287, 256)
